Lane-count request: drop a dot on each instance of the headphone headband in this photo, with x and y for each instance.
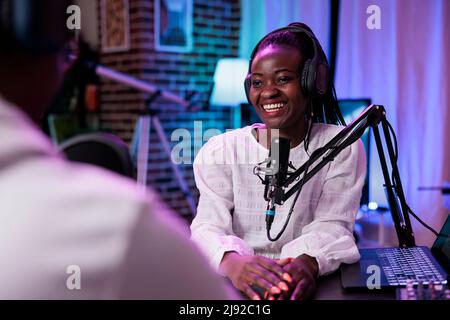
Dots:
(295, 27)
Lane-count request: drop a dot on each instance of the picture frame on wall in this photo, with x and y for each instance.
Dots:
(173, 25)
(115, 25)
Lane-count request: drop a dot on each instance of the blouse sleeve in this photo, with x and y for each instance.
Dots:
(329, 238)
(212, 229)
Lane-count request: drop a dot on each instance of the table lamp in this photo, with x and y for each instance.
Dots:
(228, 88)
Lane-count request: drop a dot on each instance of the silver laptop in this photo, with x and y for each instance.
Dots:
(398, 266)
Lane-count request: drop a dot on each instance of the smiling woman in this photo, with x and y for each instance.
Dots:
(289, 87)
(275, 91)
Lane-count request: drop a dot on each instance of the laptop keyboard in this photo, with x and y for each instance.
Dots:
(403, 264)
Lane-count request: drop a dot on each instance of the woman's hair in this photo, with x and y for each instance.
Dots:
(325, 108)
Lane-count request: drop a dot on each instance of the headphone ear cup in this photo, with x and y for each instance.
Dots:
(315, 78)
(247, 84)
(305, 82)
(321, 78)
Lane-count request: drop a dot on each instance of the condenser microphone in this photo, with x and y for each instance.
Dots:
(279, 164)
(275, 175)
(279, 155)
(276, 164)
(277, 169)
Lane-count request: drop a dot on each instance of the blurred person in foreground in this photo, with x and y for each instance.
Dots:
(71, 231)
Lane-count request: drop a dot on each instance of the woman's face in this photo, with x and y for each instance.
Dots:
(275, 88)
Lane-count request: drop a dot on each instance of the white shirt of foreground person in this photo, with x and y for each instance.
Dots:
(231, 210)
(70, 231)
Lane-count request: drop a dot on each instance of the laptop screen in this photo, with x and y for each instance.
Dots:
(441, 247)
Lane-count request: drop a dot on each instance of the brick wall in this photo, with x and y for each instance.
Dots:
(215, 35)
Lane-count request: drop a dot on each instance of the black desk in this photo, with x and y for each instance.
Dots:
(329, 288)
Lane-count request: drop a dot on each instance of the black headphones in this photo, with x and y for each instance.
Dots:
(38, 26)
(315, 75)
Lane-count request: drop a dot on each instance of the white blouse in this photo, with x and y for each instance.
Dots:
(231, 210)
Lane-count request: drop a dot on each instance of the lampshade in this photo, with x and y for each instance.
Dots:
(229, 82)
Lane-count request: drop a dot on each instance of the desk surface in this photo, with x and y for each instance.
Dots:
(329, 288)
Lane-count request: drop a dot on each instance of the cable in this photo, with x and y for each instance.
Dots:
(421, 222)
(307, 137)
(395, 139)
(269, 225)
(394, 182)
(308, 163)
